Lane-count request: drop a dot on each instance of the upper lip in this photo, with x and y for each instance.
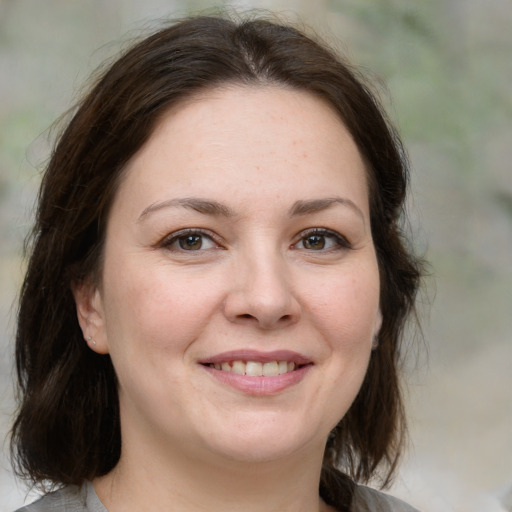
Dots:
(256, 355)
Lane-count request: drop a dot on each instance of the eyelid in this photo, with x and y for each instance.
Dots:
(342, 241)
(167, 241)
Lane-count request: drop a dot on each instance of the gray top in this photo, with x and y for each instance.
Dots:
(85, 499)
(68, 499)
(369, 500)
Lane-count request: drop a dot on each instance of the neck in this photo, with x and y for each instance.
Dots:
(182, 483)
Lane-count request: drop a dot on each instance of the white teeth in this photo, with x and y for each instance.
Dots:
(238, 367)
(256, 368)
(253, 369)
(270, 369)
(283, 367)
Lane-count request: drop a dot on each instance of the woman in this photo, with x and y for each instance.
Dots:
(217, 287)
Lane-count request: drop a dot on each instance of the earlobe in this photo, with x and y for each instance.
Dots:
(91, 318)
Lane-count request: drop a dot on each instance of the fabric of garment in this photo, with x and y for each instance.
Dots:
(369, 500)
(85, 499)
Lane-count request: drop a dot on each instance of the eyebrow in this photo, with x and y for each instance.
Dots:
(205, 206)
(211, 207)
(317, 205)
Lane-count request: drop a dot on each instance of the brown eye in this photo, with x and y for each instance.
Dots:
(190, 242)
(321, 239)
(314, 242)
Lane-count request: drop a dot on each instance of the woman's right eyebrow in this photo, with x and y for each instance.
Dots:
(205, 206)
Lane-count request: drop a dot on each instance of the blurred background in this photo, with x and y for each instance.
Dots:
(447, 65)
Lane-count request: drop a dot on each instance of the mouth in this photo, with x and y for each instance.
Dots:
(256, 368)
(258, 373)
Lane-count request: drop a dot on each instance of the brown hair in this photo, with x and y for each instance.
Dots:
(67, 429)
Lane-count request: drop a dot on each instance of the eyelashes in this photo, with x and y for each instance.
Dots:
(313, 240)
(321, 240)
(190, 240)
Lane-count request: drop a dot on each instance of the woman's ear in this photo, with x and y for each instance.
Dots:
(91, 317)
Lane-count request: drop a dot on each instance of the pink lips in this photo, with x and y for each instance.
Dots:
(258, 385)
(253, 355)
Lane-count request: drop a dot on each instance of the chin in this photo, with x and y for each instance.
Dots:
(266, 445)
(259, 453)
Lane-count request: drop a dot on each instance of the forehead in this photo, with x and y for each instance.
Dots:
(266, 139)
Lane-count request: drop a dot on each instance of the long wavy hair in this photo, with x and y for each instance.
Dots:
(67, 428)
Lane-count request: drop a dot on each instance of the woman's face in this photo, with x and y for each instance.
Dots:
(240, 288)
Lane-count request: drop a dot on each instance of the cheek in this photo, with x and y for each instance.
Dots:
(158, 310)
(155, 309)
(346, 307)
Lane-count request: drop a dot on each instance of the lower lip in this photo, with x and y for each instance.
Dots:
(260, 386)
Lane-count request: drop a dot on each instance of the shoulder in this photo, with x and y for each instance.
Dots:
(366, 499)
(68, 499)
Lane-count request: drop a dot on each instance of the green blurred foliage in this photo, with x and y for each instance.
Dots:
(446, 79)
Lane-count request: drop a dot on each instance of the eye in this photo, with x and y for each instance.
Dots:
(189, 240)
(320, 239)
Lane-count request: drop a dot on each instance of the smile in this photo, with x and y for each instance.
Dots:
(256, 368)
(258, 373)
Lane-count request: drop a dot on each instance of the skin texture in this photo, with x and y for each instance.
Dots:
(254, 281)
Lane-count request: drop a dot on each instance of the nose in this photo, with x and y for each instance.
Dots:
(261, 294)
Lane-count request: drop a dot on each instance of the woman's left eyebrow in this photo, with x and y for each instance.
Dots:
(206, 206)
(305, 207)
